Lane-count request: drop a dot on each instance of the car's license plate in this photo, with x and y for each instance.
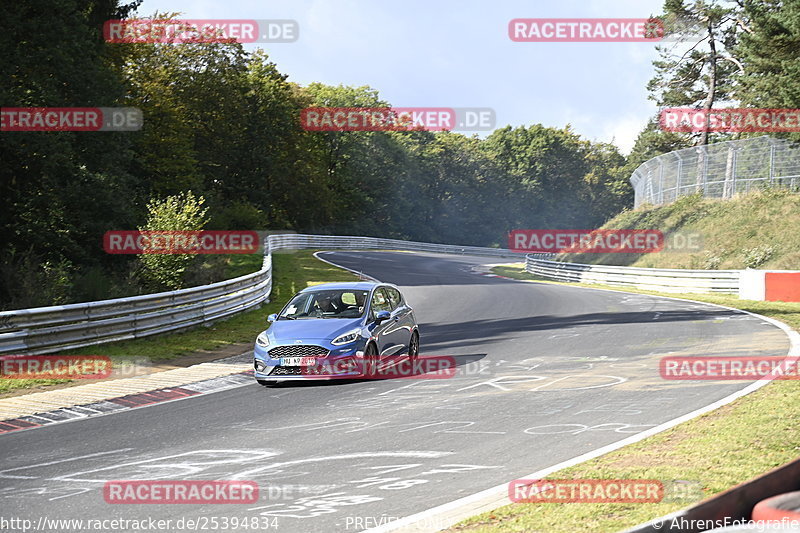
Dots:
(298, 361)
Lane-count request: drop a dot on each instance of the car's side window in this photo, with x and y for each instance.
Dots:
(394, 297)
(380, 302)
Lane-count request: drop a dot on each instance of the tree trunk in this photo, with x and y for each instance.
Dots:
(707, 105)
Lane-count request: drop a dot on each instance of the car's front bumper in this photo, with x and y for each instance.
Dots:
(331, 366)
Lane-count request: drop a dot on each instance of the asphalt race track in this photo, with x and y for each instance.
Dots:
(546, 373)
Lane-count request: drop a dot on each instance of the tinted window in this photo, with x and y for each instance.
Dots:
(380, 302)
(394, 297)
(326, 304)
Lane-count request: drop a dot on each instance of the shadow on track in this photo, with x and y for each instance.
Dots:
(471, 333)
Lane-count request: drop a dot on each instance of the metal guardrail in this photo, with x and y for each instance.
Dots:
(49, 329)
(299, 241)
(719, 170)
(661, 279)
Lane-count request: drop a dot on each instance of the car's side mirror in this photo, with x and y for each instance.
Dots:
(272, 318)
(382, 316)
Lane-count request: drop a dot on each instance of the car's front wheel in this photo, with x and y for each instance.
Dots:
(370, 361)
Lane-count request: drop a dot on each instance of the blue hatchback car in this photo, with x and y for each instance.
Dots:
(335, 322)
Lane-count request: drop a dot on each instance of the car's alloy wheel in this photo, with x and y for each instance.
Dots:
(370, 360)
(413, 346)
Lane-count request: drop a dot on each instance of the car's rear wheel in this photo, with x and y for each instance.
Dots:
(413, 346)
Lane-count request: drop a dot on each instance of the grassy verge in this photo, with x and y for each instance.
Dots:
(756, 230)
(717, 450)
(291, 272)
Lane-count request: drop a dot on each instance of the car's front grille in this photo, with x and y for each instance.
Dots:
(298, 350)
(287, 371)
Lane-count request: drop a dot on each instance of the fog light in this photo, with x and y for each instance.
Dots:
(260, 366)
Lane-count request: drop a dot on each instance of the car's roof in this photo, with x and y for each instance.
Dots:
(358, 285)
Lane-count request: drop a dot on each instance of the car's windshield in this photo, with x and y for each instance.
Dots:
(331, 303)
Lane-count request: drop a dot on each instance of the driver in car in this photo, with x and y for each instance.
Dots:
(326, 305)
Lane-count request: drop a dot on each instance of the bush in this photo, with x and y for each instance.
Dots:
(27, 281)
(183, 212)
(755, 257)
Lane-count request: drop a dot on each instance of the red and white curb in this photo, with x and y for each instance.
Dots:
(126, 402)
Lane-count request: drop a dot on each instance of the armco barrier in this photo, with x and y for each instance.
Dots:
(298, 241)
(661, 279)
(49, 329)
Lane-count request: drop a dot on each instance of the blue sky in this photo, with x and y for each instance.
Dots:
(456, 53)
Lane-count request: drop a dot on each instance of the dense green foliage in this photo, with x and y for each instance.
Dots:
(182, 212)
(224, 123)
(732, 53)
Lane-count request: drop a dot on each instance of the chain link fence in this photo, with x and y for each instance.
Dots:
(719, 170)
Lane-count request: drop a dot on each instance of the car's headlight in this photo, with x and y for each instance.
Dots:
(262, 340)
(347, 338)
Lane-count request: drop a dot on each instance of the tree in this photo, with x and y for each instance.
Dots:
(769, 49)
(543, 171)
(608, 189)
(47, 177)
(182, 212)
(701, 74)
(193, 100)
(354, 169)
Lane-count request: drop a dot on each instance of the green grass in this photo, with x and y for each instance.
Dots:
(718, 450)
(291, 272)
(758, 230)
